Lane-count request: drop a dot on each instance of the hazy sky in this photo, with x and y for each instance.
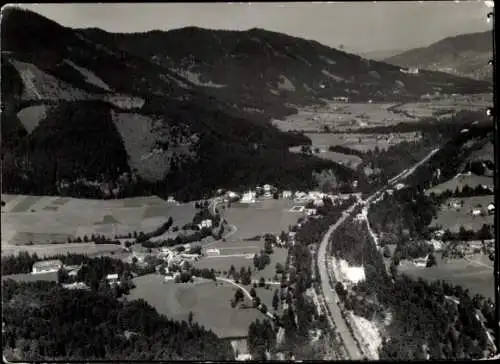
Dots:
(360, 27)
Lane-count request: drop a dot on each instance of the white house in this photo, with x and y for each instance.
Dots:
(267, 188)
(491, 208)
(232, 195)
(46, 266)
(310, 212)
(286, 194)
(212, 252)
(191, 257)
(205, 224)
(172, 200)
(112, 279)
(76, 285)
(399, 186)
(437, 244)
(248, 197)
(244, 357)
(476, 212)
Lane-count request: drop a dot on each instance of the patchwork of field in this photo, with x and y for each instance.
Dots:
(43, 219)
(242, 256)
(474, 274)
(361, 142)
(209, 301)
(343, 116)
(460, 181)
(453, 219)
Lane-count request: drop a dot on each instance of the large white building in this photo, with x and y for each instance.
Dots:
(248, 197)
(46, 266)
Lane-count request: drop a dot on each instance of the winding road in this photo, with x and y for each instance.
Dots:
(328, 292)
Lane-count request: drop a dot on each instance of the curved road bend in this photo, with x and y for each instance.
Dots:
(245, 291)
(328, 291)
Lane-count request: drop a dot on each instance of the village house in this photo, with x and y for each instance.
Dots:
(491, 208)
(310, 212)
(191, 257)
(76, 285)
(318, 202)
(455, 204)
(46, 266)
(212, 252)
(421, 262)
(248, 197)
(286, 194)
(205, 224)
(400, 186)
(140, 253)
(233, 195)
(438, 234)
(475, 212)
(113, 279)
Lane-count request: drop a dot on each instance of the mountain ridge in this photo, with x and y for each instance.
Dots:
(164, 131)
(464, 55)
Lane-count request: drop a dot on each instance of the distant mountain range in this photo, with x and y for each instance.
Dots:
(184, 111)
(463, 55)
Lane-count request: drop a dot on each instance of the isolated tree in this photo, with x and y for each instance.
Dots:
(239, 295)
(232, 270)
(339, 288)
(276, 300)
(253, 292)
(256, 301)
(431, 261)
(386, 252)
(263, 308)
(280, 268)
(262, 282)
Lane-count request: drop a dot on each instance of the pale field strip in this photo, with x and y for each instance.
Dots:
(340, 116)
(54, 218)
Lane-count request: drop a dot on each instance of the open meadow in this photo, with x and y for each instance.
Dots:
(43, 219)
(209, 301)
(460, 181)
(342, 116)
(454, 218)
(266, 216)
(474, 274)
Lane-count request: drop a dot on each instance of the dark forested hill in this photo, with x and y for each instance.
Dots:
(45, 322)
(464, 55)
